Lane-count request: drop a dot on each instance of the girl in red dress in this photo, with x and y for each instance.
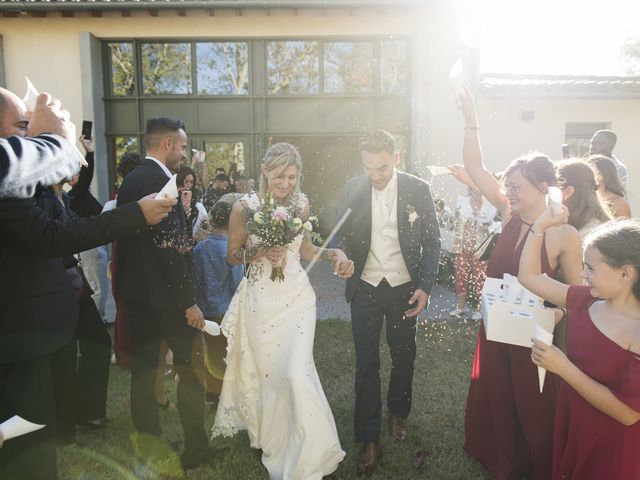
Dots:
(597, 433)
(508, 422)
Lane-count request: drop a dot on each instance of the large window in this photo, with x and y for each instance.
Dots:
(348, 67)
(293, 67)
(166, 68)
(123, 74)
(314, 67)
(223, 68)
(235, 94)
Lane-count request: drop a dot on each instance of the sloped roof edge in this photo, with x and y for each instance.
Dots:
(500, 84)
(60, 5)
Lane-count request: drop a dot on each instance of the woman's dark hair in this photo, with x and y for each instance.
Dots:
(536, 167)
(183, 173)
(609, 174)
(584, 205)
(619, 243)
(220, 213)
(127, 163)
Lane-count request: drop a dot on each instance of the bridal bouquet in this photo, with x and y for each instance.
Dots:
(278, 225)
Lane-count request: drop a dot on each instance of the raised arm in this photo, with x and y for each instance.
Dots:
(530, 274)
(472, 156)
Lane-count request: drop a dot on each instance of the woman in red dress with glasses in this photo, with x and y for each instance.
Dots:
(508, 422)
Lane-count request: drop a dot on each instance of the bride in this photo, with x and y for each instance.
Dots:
(271, 387)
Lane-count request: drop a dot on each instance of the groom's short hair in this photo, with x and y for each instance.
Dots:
(377, 141)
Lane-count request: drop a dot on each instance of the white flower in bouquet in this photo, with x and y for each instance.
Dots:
(258, 217)
(307, 226)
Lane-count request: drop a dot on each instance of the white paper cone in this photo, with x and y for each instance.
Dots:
(212, 328)
(170, 190)
(30, 96)
(17, 426)
(436, 170)
(539, 333)
(555, 199)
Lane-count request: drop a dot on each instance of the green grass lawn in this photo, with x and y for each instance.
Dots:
(445, 352)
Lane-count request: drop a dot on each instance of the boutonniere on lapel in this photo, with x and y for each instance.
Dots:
(412, 215)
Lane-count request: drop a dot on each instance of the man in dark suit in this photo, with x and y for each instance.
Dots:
(393, 238)
(154, 280)
(39, 306)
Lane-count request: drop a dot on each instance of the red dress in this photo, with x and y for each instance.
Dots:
(588, 444)
(508, 422)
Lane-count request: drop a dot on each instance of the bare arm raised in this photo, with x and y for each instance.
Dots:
(473, 160)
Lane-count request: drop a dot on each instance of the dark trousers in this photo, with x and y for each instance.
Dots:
(369, 307)
(26, 390)
(94, 362)
(148, 328)
(81, 383)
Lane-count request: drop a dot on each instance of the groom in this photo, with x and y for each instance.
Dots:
(392, 235)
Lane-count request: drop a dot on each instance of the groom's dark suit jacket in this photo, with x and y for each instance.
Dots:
(419, 242)
(152, 271)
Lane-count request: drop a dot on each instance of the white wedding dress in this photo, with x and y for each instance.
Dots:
(271, 387)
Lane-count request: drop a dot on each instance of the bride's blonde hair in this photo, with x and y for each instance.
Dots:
(276, 160)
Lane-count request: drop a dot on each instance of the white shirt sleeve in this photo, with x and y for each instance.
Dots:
(27, 162)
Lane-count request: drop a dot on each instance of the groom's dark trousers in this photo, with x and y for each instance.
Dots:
(370, 308)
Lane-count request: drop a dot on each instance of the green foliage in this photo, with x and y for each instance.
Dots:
(631, 55)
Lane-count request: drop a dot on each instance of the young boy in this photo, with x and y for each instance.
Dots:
(214, 283)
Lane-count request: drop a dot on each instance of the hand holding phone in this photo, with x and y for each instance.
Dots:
(185, 196)
(86, 129)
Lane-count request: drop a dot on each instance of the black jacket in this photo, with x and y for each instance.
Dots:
(81, 200)
(419, 242)
(154, 265)
(38, 308)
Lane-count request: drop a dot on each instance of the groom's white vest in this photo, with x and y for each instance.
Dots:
(385, 258)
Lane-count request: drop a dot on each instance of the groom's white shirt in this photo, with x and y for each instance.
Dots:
(385, 258)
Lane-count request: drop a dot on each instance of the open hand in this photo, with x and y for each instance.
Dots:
(194, 317)
(420, 298)
(548, 357)
(460, 173)
(155, 210)
(467, 106)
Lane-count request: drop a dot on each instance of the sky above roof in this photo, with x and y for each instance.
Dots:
(574, 37)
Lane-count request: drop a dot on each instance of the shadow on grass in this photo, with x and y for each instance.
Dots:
(441, 380)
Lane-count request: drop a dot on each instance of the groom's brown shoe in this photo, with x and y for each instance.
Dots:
(397, 428)
(370, 453)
